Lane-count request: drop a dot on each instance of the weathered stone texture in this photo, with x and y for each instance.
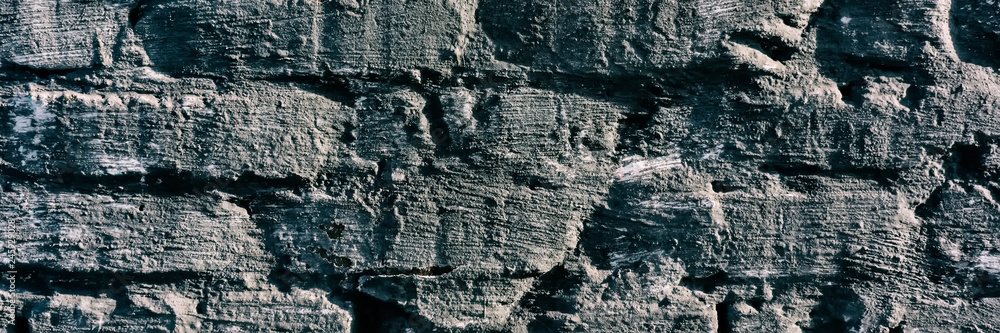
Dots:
(500, 165)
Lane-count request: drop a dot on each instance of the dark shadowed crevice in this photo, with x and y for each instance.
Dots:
(21, 325)
(123, 306)
(966, 162)
(914, 96)
(439, 131)
(722, 316)
(707, 284)
(850, 92)
(537, 183)
(158, 182)
(202, 307)
(970, 25)
(721, 186)
(840, 309)
(137, 12)
(884, 177)
(41, 73)
(349, 135)
(632, 126)
(372, 315)
(421, 271)
(48, 281)
(552, 290)
(884, 66)
(335, 88)
(804, 183)
(773, 47)
(929, 207)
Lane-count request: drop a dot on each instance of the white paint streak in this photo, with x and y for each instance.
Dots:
(988, 263)
(120, 166)
(713, 154)
(635, 167)
(38, 118)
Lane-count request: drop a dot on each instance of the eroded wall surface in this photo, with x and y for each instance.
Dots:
(500, 165)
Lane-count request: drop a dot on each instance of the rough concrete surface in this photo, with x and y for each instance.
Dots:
(500, 165)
